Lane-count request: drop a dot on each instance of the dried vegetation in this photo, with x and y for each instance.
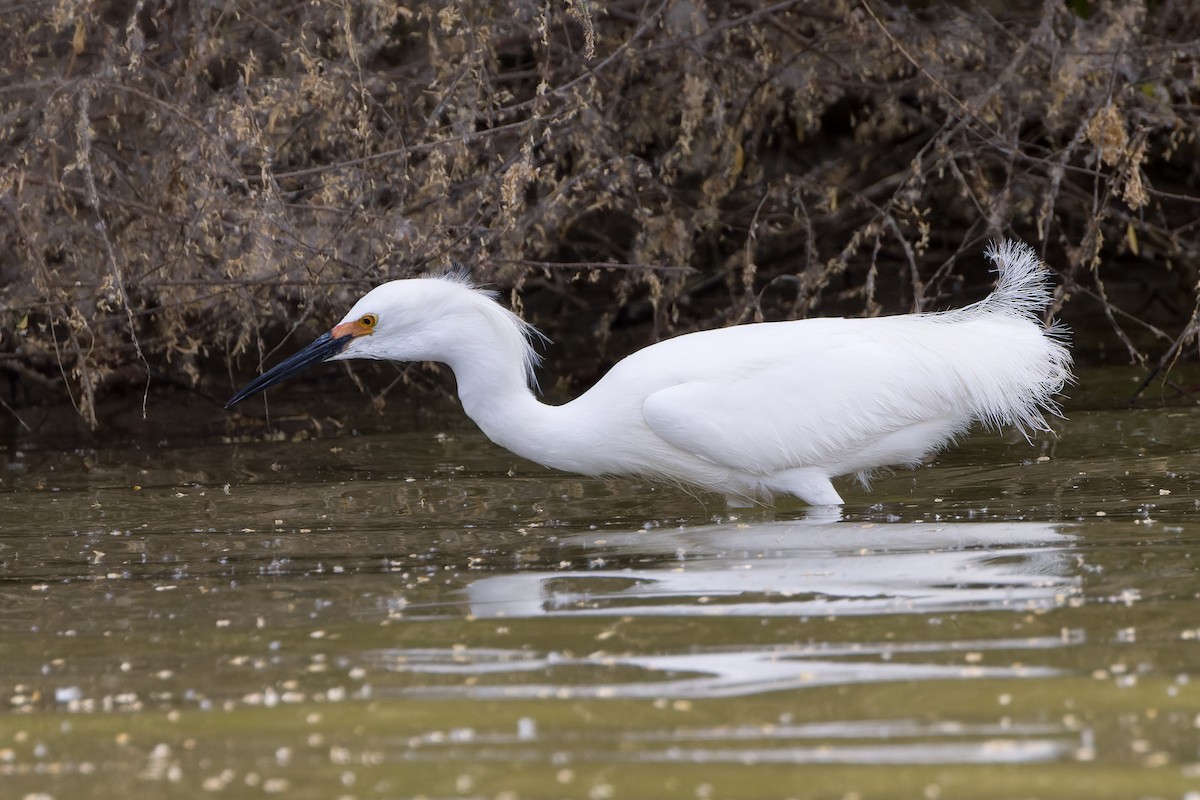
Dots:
(185, 181)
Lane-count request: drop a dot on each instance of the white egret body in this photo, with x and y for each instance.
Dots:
(746, 411)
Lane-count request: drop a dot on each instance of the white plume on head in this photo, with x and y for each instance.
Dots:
(503, 319)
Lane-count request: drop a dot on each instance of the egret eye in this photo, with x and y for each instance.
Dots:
(368, 321)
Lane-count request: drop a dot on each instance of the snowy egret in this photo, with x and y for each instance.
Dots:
(746, 411)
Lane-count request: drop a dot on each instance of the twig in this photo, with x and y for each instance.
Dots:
(590, 265)
(83, 134)
(16, 416)
(1171, 355)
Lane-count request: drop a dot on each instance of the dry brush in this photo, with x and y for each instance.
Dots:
(183, 182)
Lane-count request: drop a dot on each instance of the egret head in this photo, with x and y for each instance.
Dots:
(421, 319)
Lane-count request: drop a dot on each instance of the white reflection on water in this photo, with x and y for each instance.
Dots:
(768, 570)
(877, 742)
(707, 674)
(788, 572)
(995, 751)
(799, 569)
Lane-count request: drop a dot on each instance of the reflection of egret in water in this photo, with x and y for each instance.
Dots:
(799, 569)
(783, 569)
(910, 573)
(707, 674)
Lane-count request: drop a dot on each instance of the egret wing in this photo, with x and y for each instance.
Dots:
(812, 407)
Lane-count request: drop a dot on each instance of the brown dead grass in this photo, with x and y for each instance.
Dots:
(184, 182)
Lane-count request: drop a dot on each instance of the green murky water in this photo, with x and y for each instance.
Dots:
(411, 613)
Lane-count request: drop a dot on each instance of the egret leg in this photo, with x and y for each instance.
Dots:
(823, 515)
(810, 485)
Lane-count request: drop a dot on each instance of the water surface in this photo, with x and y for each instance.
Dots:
(403, 610)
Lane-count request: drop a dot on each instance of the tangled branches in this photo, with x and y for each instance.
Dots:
(178, 178)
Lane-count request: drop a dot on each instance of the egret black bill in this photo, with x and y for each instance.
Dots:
(324, 347)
